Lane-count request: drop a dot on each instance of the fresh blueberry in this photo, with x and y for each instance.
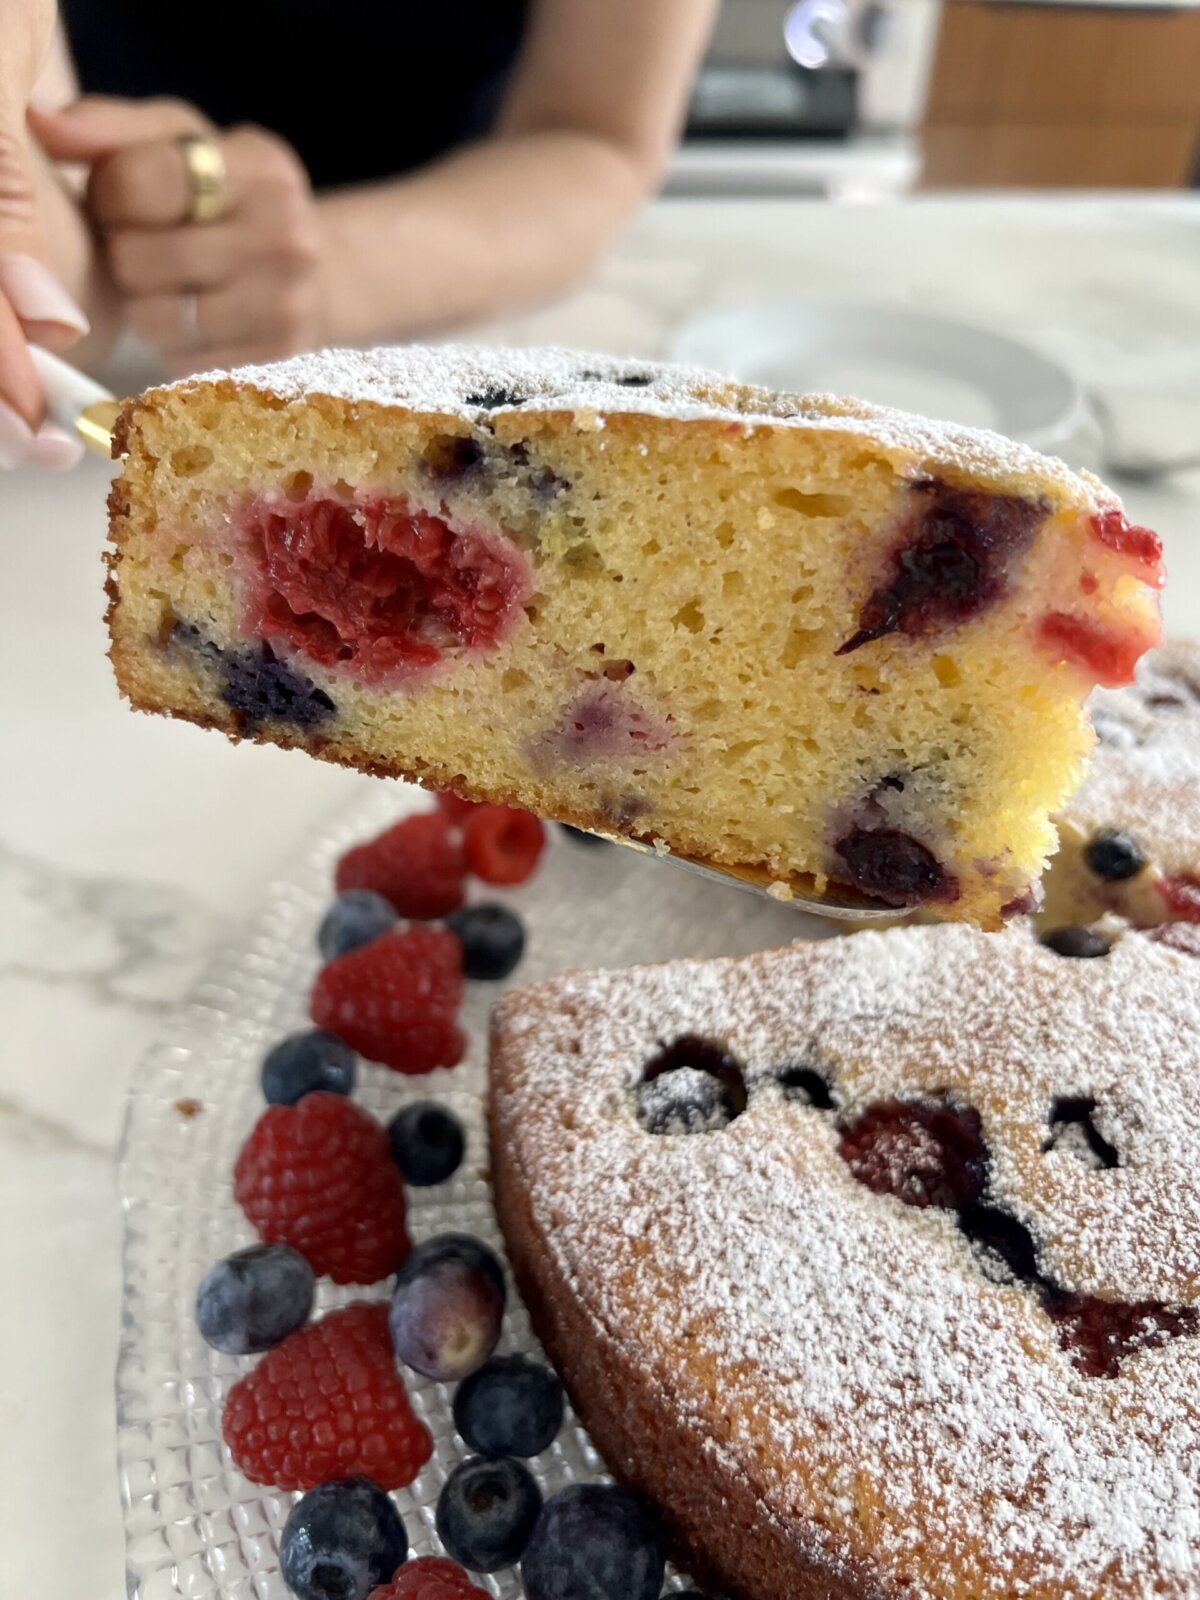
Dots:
(595, 1540)
(511, 1407)
(446, 1309)
(1114, 856)
(486, 1512)
(492, 938)
(464, 1247)
(581, 835)
(1080, 943)
(354, 919)
(427, 1143)
(305, 1062)
(341, 1541)
(254, 1298)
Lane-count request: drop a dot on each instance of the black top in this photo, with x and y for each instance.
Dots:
(361, 89)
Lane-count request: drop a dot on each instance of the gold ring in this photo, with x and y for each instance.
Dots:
(205, 168)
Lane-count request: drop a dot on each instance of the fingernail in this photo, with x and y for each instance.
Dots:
(37, 295)
(16, 438)
(53, 449)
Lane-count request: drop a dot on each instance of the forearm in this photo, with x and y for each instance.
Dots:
(512, 221)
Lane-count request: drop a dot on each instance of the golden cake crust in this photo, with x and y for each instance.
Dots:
(827, 1392)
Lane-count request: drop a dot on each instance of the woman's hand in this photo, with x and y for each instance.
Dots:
(247, 286)
(33, 304)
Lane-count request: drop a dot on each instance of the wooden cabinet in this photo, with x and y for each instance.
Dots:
(1042, 95)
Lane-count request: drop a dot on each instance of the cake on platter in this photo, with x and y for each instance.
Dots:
(873, 1263)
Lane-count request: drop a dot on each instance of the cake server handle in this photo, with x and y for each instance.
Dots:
(76, 402)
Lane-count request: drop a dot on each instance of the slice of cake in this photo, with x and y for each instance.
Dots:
(1130, 838)
(875, 1263)
(781, 633)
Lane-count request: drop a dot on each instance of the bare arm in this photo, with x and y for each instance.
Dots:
(584, 135)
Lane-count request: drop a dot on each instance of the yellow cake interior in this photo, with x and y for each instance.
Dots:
(690, 581)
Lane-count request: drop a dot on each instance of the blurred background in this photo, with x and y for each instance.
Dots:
(868, 98)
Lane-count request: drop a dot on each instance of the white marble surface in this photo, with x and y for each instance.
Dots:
(130, 849)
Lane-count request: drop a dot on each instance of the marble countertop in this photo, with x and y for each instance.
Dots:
(132, 849)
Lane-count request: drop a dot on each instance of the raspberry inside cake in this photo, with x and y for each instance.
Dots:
(786, 634)
(1130, 838)
(873, 1262)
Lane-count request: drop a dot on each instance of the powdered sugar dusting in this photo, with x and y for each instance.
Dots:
(871, 1374)
(472, 383)
(1145, 774)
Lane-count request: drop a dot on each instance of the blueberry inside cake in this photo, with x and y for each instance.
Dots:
(792, 635)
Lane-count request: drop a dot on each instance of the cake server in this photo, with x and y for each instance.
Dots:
(76, 402)
(82, 406)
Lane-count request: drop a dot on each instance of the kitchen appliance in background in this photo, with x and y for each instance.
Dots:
(816, 97)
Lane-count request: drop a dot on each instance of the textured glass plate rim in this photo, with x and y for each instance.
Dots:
(195, 1529)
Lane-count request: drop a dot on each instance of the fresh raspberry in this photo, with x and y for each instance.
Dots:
(319, 1176)
(455, 807)
(395, 1000)
(327, 1403)
(417, 864)
(502, 845)
(430, 1578)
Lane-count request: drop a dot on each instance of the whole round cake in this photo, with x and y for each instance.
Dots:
(875, 1263)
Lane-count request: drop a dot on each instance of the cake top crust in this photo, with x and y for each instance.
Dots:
(873, 1370)
(472, 383)
(1145, 772)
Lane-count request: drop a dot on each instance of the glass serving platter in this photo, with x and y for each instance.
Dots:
(195, 1527)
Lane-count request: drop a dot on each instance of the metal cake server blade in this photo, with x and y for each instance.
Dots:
(846, 905)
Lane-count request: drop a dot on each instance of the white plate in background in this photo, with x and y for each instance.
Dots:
(913, 360)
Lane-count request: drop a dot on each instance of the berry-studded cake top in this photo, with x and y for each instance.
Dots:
(922, 1210)
(1145, 773)
(476, 382)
